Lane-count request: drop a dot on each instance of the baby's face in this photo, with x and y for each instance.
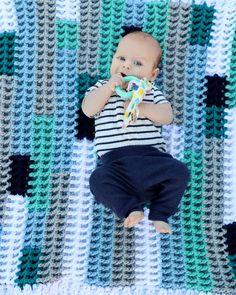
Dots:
(135, 57)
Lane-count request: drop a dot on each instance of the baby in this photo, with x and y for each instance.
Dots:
(136, 171)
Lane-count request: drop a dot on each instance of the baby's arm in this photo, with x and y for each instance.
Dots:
(160, 113)
(96, 99)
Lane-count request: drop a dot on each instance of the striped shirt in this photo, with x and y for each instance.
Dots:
(109, 133)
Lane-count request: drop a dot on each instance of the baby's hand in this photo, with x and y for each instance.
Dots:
(126, 103)
(115, 80)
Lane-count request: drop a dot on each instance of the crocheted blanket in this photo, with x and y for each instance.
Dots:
(54, 238)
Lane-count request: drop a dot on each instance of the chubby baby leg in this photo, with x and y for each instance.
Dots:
(134, 218)
(162, 227)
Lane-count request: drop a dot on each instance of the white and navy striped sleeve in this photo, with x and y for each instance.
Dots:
(98, 84)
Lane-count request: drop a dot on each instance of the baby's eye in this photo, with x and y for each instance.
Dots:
(137, 63)
(121, 58)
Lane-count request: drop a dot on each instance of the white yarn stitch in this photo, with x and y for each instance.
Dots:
(174, 138)
(8, 19)
(12, 237)
(68, 10)
(79, 220)
(148, 254)
(221, 39)
(68, 286)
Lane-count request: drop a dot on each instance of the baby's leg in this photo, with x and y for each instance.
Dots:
(134, 218)
(169, 188)
(162, 227)
(113, 191)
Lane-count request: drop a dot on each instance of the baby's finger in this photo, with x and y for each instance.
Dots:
(126, 103)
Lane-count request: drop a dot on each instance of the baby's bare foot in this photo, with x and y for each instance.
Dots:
(162, 227)
(134, 218)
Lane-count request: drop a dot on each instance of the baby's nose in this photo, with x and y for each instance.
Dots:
(126, 65)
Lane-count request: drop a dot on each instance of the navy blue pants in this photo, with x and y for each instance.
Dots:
(133, 176)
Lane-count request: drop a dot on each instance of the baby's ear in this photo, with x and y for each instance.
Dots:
(155, 73)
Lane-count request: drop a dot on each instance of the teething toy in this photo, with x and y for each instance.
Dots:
(123, 93)
(136, 90)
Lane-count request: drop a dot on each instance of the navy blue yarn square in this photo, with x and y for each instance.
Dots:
(130, 29)
(231, 237)
(19, 171)
(84, 126)
(216, 90)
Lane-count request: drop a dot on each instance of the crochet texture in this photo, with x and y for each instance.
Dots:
(54, 238)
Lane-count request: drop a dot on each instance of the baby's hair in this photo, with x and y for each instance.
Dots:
(129, 29)
(148, 37)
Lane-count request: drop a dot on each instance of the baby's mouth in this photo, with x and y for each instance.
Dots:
(125, 84)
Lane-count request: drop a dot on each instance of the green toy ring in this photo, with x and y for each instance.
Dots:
(123, 93)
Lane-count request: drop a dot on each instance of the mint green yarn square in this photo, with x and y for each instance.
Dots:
(155, 20)
(43, 139)
(190, 157)
(7, 48)
(202, 20)
(42, 154)
(215, 122)
(28, 269)
(110, 32)
(231, 95)
(67, 34)
(38, 201)
(197, 270)
(232, 263)
(231, 87)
